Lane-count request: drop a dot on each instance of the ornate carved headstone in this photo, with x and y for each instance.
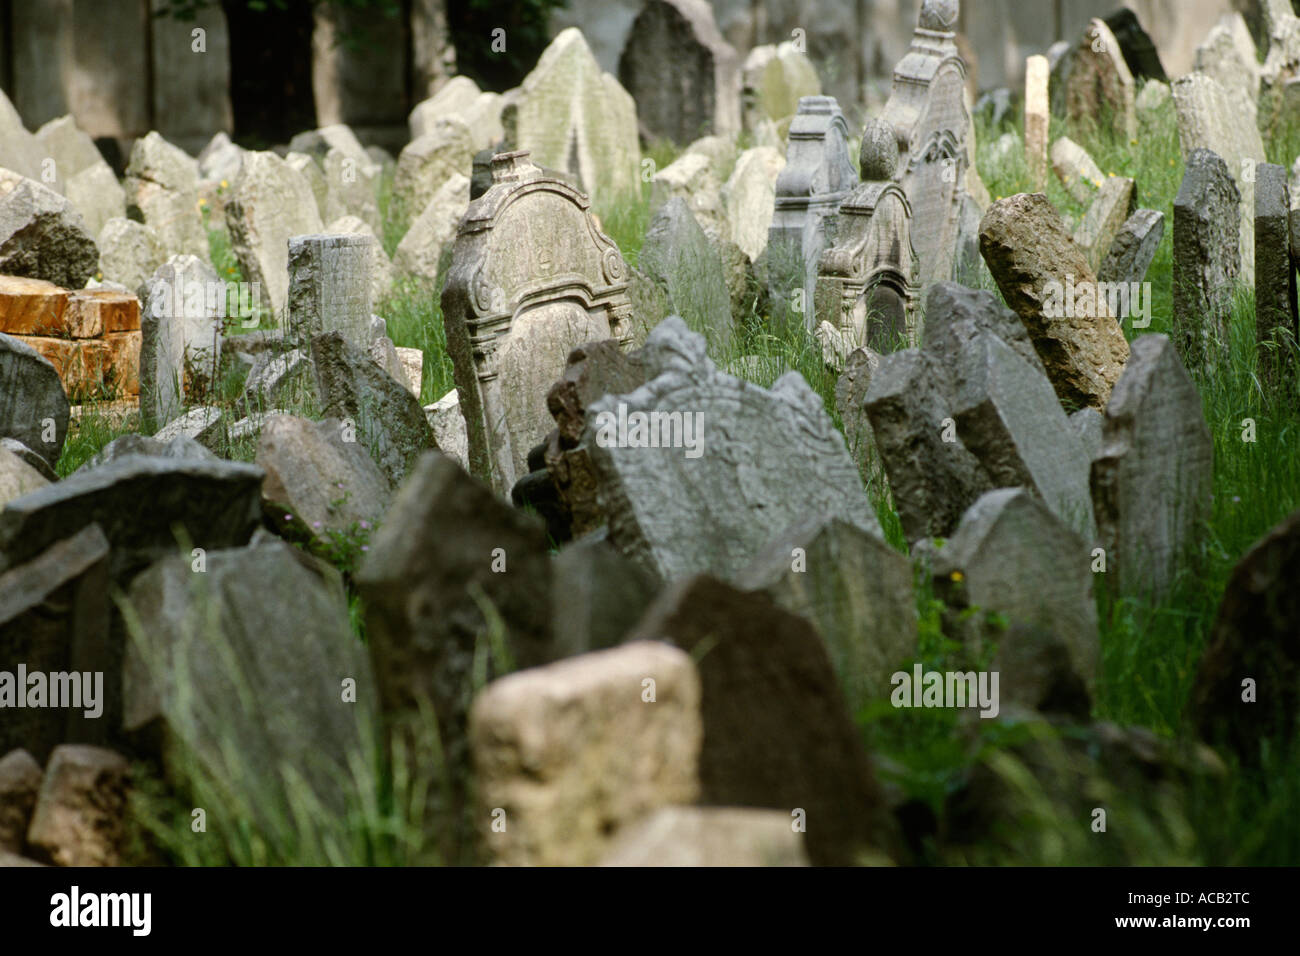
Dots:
(927, 110)
(532, 277)
(817, 177)
(867, 281)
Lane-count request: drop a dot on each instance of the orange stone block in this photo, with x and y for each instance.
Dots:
(31, 306)
(103, 311)
(124, 349)
(85, 366)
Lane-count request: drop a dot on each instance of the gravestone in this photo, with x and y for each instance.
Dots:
(709, 836)
(684, 77)
(1077, 171)
(1227, 55)
(850, 397)
(383, 414)
(54, 612)
(855, 590)
(1277, 324)
(818, 175)
(1038, 117)
(773, 80)
(1135, 45)
(426, 607)
(129, 253)
(33, 405)
(1013, 557)
(162, 190)
(1037, 266)
(329, 287)
(927, 110)
(1209, 117)
(598, 596)
(1099, 87)
(269, 203)
(420, 253)
(1151, 486)
(42, 236)
(776, 731)
(867, 280)
(572, 752)
(1110, 209)
(1207, 262)
(460, 97)
(749, 198)
(180, 337)
(574, 117)
(1254, 637)
(718, 465)
(425, 164)
(1133, 248)
(678, 256)
(531, 277)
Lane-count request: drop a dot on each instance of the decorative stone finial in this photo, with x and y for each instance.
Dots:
(940, 15)
(878, 156)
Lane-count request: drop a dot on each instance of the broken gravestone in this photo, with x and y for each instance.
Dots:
(33, 406)
(1207, 261)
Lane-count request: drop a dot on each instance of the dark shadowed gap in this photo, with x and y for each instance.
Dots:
(270, 71)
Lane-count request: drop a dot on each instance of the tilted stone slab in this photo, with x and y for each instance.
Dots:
(1207, 261)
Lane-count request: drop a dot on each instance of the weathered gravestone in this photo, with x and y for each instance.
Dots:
(1151, 485)
(1013, 557)
(531, 277)
(1101, 224)
(379, 411)
(1207, 263)
(850, 402)
(1038, 118)
(818, 175)
(749, 198)
(180, 337)
(1046, 280)
(697, 470)
(427, 608)
(1099, 87)
(679, 258)
(927, 111)
(855, 590)
(1209, 117)
(684, 77)
(81, 810)
(1277, 323)
(162, 190)
(54, 613)
(776, 731)
(773, 80)
(575, 117)
(574, 751)
(248, 666)
(1246, 687)
(709, 836)
(33, 405)
(269, 203)
(867, 280)
(1133, 248)
(598, 596)
(1228, 56)
(329, 287)
(41, 235)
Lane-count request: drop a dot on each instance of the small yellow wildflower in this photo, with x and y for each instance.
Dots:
(957, 576)
(224, 184)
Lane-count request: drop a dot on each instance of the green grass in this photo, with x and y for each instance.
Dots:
(1046, 779)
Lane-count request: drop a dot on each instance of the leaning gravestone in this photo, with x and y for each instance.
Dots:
(927, 109)
(776, 731)
(749, 196)
(572, 752)
(41, 235)
(1151, 485)
(854, 588)
(1101, 224)
(244, 665)
(1254, 638)
(377, 409)
(817, 177)
(1099, 87)
(1133, 248)
(574, 117)
(678, 256)
(1207, 263)
(531, 277)
(427, 163)
(697, 470)
(33, 405)
(329, 287)
(427, 608)
(1228, 56)
(1209, 117)
(54, 613)
(269, 203)
(684, 77)
(162, 190)
(1277, 324)
(1011, 556)
(850, 397)
(1037, 267)
(867, 280)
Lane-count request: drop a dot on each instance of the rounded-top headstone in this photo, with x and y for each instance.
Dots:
(939, 15)
(878, 156)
